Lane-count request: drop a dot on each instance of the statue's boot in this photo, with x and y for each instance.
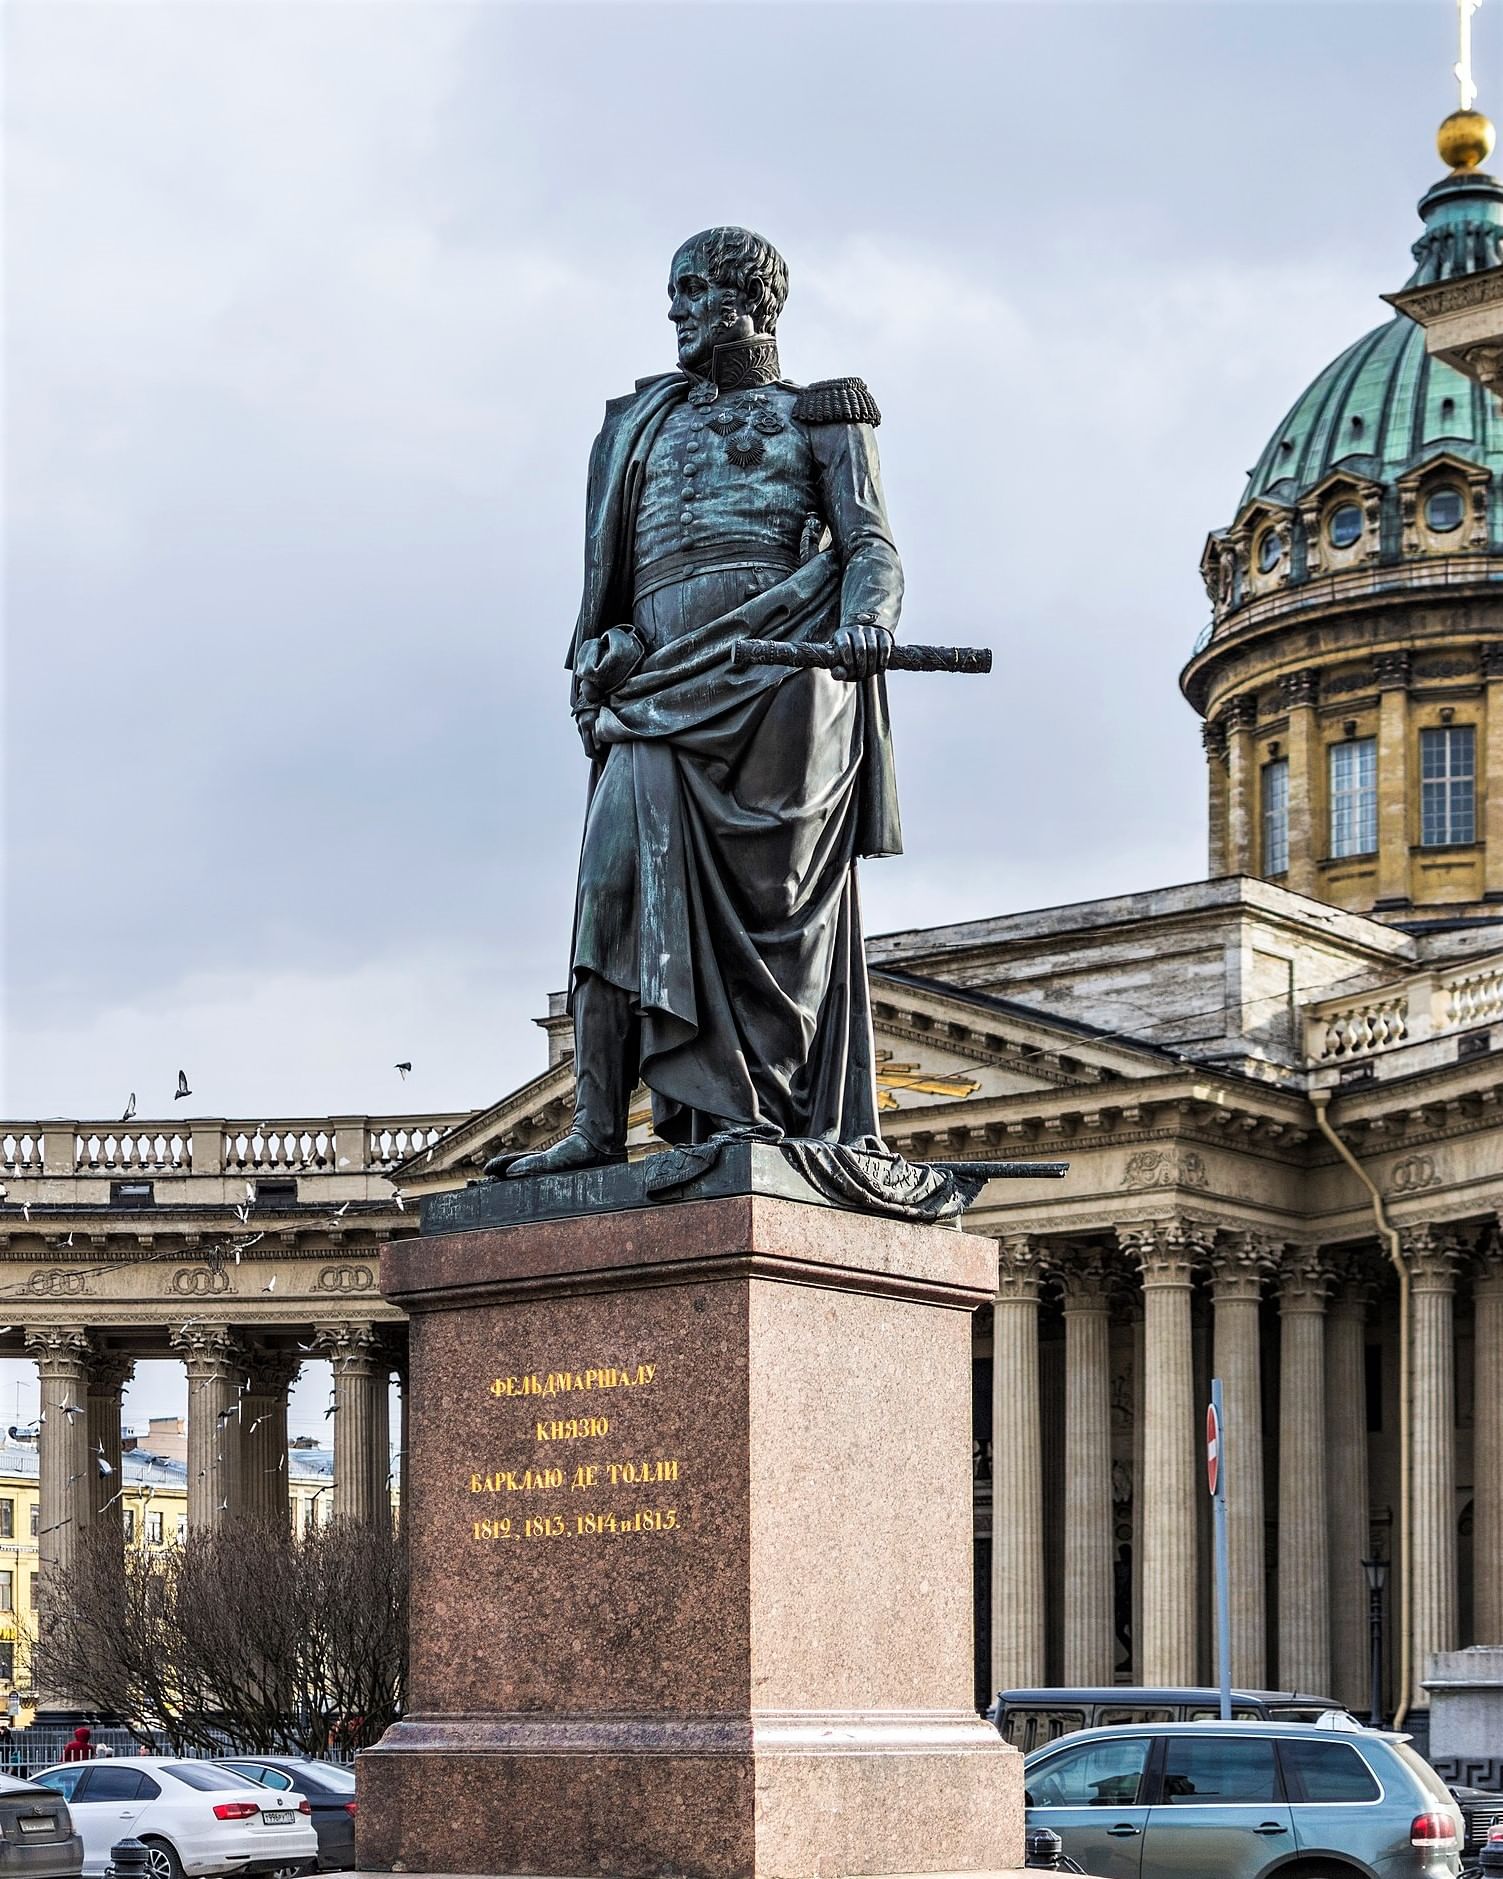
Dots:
(574, 1152)
(606, 1039)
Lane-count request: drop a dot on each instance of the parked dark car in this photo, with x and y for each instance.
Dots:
(328, 1788)
(37, 1836)
(1030, 1718)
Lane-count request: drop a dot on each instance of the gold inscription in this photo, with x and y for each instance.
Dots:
(606, 1476)
(573, 1429)
(563, 1382)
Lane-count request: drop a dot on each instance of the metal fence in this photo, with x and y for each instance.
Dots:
(27, 1750)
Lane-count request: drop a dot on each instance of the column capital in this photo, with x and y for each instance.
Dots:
(1020, 1266)
(1304, 1280)
(1299, 688)
(1392, 669)
(1088, 1276)
(109, 1372)
(1240, 1262)
(1492, 658)
(1354, 1283)
(270, 1372)
(1213, 738)
(1241, 712)
(354, 1350)
(1166, 1252)
(1432, 1254)
(1487, 1263)
(61, 1352)
(209, 1351)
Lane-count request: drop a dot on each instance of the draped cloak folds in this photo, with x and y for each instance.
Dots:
(717, 878)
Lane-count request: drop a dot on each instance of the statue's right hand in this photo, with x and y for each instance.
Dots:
(585, 720)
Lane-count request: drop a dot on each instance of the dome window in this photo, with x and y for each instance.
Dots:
(1356, 427)
(1270, 551)
(1444, 509)
(1344, 525)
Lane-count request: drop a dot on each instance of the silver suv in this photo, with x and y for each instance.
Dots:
(1244, 1800)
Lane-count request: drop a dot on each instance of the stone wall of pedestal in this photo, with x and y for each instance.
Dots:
(689, 1516)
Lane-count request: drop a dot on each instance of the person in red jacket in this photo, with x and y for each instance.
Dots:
(79, 1749)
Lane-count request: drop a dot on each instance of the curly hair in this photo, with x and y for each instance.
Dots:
(736, 257)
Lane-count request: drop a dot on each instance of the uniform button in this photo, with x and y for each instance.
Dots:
(691, 469)
(687, 516)
(692, 444)
(686, 494)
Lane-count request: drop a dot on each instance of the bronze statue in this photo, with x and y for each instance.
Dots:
(717, 935)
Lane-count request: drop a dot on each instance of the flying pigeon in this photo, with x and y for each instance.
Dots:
(130, 1108)
(404, 1070)
(182, 1086)
(104, 1467)
(271, 1284)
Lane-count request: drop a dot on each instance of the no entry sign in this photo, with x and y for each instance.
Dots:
(1213, 1448)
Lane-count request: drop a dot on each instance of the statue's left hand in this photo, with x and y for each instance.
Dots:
(863, 650)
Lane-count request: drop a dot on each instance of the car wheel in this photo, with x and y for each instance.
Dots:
(162, 1861)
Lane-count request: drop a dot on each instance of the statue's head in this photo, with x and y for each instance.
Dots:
(726, 284)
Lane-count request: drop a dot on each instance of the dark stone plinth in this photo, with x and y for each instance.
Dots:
(690, 1516)
(743, 1168)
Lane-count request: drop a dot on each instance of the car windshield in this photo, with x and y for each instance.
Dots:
(207, 1777)
(331, 1775)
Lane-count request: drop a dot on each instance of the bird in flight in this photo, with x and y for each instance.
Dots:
(130, 1108)
(182, 1086)
(404, 1070)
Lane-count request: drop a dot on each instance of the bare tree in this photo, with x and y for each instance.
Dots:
(246, 1632)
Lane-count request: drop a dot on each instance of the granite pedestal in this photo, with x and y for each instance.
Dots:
(689, 1511)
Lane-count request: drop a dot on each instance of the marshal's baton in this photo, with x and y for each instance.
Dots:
(1005, 1170)
(824, 657)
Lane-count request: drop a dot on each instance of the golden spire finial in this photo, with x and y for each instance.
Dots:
(1466, 138)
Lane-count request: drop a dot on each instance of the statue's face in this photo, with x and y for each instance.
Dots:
(704, 314)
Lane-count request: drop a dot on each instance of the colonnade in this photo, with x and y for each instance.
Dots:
(1304, 1526)
(238, 1385)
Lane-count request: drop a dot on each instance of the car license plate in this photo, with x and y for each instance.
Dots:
(40, 1823)
(278, 1817)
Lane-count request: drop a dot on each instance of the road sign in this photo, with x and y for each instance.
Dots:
(1213, 1448)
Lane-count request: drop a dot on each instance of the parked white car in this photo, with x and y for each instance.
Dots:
(193, 1817)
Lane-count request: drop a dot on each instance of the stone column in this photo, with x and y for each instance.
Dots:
(1346, 1479)
(1298, 690)
(270, 1374)
(1017, 1590)
(1089, 1640)
(64, 1500)
(1432, 1256)
(1487, 1440)
(1241, 716)
(1393, 778)
(380, 1457)
(1489, 769)
(1239, 1264)
(109, 1373)
(214, 1364)
(352, 1350)
(1213, 737)
(1166, 1253)
(1304, 1572)
(62, 1355)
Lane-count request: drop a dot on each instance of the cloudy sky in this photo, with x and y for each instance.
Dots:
(310, 311)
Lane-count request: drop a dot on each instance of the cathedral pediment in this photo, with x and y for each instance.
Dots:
(937, 1047)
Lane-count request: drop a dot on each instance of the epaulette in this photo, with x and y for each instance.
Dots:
(837, 401)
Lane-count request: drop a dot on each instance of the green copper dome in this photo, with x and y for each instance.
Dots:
(1384, 406)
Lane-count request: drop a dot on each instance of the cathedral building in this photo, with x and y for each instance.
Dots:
(1274, 1087)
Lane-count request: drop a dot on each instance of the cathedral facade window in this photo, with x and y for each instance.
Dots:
(1354, 797)
(1448, 786)
(1275, 806)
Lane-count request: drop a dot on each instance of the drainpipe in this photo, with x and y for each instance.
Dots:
(1321, 1100)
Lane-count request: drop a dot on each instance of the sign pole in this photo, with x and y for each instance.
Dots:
(1216, 1477)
